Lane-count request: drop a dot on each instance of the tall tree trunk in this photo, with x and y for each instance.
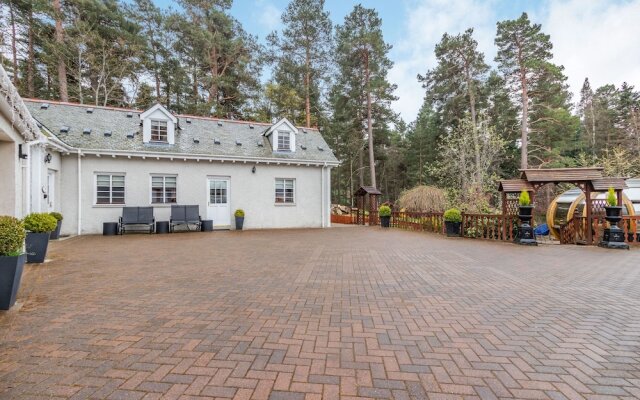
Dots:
(14, 48)
(80, 93)
(157, 75)
(593, 129)
(307, 84)
(213, 90)
(62, 67)
(474, 121)
(30, 56)
(524, 149)
(525, 125)
(361, 166)
(372, 161)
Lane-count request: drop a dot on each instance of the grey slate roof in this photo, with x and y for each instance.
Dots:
(195, 138)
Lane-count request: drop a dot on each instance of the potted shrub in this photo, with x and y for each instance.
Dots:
(384, 212)
(613, 236)
(39, 227)
(12, 258)
(239, 214)
(525, 234)
(452, 221)
(55, 234)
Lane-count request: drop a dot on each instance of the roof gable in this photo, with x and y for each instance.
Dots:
(158, 107)
(279, 124)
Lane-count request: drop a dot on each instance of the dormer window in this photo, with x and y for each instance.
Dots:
(159, 131)
(158, 126)
(284, 141)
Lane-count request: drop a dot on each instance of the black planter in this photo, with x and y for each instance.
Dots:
(453, 228)
(10, 275)
(525, 235)
(239, 223)
(37, 244)
(55, 234)
(613, 237)
(385, 221)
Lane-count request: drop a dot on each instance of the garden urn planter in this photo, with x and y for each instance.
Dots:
(525, 235)
(37, 244)
(55, 234)
(10, 275)
(613, 236)
(452, 228)
(385, 221)
(239, 223)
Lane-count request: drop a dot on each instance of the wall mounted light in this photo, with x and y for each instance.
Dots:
(47, 158)
(253, 170)
(21, 155)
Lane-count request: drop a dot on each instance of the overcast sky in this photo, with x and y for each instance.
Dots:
(599, 39)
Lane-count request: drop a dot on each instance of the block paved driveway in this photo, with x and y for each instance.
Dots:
(311, 314)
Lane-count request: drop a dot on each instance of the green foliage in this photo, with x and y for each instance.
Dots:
(524, 199)
(12, 236)
(453, 215)
(612, 199)
(301, 52)
(384, 211)
(40, 222)
(239, 213)
(56, 215)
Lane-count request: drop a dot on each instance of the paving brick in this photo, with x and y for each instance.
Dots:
(227, 315)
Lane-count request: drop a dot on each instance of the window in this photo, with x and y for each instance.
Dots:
(284, 141)
(218, 191)
(158, 131)
(285, 190)
(109, 189)
(163, 189)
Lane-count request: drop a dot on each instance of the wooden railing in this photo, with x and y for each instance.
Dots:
(575, 230)
(498, 226)
(415, 221)
(490, 226)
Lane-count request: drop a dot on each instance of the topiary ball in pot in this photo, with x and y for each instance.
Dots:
(239, 214)
(55, 234)
(39, 227)
(384, 212)
(12, 259)
(452, 221)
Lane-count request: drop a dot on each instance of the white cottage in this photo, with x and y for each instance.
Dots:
(97, 160)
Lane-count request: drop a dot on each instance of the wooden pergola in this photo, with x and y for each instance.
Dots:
(363, 194)
(589, 180)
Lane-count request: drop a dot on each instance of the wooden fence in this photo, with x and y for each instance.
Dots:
(476, 226)
(576, 229)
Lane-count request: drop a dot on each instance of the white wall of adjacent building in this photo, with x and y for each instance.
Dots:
(252, 192)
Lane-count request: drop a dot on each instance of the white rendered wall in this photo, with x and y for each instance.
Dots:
(253, 192)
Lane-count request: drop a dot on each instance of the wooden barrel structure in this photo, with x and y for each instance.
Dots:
(572, 202)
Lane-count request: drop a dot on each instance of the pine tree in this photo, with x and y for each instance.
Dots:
(302, 52)
(586, 110)
(422, 144)
(455, 83)
(523, 56)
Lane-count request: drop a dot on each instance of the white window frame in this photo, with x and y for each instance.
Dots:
(275, 188)
(110, 203)
(164, 189)
(158, 126)
(281, 134)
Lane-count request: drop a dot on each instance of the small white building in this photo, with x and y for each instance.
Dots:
(90, 162)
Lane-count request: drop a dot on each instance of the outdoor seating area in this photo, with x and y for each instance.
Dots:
(142, 219)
